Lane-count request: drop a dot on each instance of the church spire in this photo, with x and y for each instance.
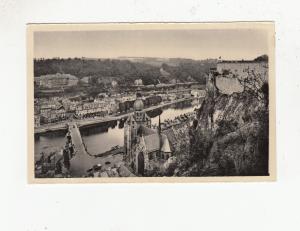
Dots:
(160, 137)
(159, 126)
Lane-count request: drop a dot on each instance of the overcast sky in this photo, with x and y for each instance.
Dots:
(195, 44)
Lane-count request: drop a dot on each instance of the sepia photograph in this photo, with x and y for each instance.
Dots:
(169, 102)
(150, 115)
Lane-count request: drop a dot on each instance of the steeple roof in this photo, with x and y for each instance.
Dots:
(165, 145)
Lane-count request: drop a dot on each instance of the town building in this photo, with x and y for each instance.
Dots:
(164, 72)
(51, 114)
(86, 79)
(60, 113)
(56, 80)
(108, 103)
(198, 93)
(90, 109)
(171, 97)
(37, 121)
(69, 105)
(174, 81)
(37, 109)
(138, 82)
(114, 83)
(45, 109)
(124, 98)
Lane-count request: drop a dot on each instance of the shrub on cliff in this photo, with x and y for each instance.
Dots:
(225, 127)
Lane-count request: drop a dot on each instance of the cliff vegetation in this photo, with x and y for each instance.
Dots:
(230, 136)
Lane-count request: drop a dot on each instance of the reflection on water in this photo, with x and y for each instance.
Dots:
(98, 142)
(171, 113)
(94, 129)
(103, 141)
(99, 139)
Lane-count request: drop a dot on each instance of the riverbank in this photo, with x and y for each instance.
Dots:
(62, 126)
(99, 139)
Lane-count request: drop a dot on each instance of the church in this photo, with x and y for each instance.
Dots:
(144, 147)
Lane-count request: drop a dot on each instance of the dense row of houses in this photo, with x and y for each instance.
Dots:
(57, 109)
(52, 115)
(100, 107)
(90, 109)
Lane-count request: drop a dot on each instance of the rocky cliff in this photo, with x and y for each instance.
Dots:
(230, 136)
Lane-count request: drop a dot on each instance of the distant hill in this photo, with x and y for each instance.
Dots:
(189, 70)
(126, 69)
(154, 61)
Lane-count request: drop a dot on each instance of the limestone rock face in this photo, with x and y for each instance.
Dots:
(238, 135)
(239, 108)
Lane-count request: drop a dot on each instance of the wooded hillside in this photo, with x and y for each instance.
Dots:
(124, 70)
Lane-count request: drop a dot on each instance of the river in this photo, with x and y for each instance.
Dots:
(101, 138)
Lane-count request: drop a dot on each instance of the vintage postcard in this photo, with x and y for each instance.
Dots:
(151, 102)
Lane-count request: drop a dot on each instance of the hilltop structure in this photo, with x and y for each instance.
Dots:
(234, 76)
(242, 68)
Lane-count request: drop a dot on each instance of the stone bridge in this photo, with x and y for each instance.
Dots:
(82, 161)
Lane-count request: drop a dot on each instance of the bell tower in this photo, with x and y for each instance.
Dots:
(133, 123)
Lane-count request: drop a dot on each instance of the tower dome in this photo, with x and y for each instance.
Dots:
(138, 105)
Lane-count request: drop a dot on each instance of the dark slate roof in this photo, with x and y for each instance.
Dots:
(152, 142)
(146, 131)
(171, 137)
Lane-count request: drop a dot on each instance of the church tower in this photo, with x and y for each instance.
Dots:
(133, 123)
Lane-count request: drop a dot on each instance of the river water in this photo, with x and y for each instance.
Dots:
(101, 138)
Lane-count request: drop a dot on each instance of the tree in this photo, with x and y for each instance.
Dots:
(254, 82)
(262, 58)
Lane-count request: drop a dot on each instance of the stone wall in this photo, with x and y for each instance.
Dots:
(229, 85)
(235, 76)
